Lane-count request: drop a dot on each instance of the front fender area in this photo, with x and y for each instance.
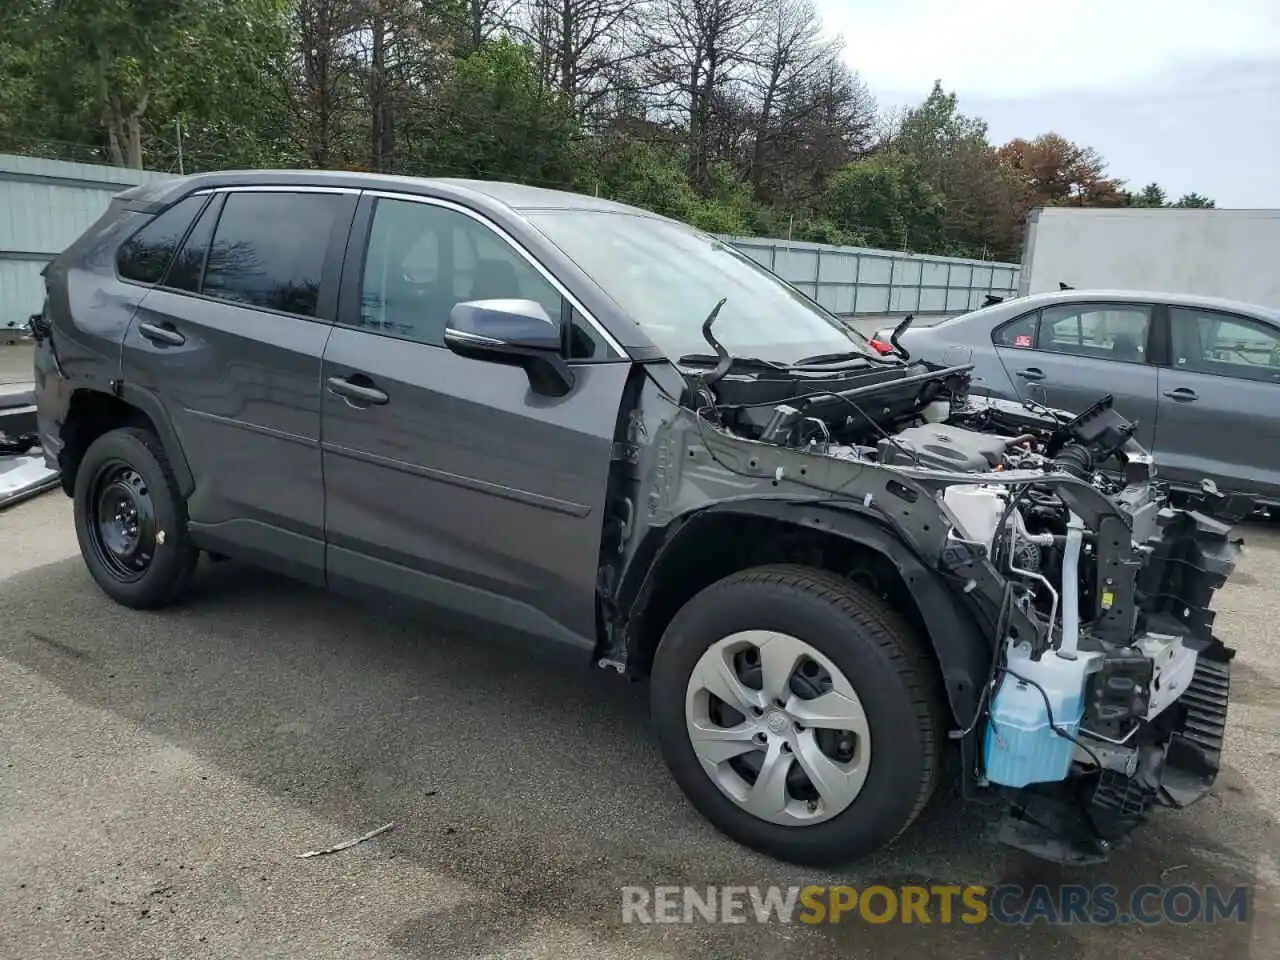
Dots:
(698, 548)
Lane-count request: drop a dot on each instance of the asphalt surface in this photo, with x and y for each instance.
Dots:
(160, 773)
(15, 363)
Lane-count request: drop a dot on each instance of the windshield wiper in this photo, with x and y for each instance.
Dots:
(825, 358)
(707, 360)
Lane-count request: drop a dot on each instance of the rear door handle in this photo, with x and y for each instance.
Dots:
(161, 333)
(1182, 395)
(358, 388)
(1031, 373)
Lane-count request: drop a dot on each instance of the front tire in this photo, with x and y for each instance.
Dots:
(798, 713)
(131, 520)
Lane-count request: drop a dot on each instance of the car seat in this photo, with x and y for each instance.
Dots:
(1125, 347)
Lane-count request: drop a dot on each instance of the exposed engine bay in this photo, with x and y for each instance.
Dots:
(1107, 691)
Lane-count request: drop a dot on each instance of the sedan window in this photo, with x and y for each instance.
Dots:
(1019, 334)
(1224, 344)
(1101, 331)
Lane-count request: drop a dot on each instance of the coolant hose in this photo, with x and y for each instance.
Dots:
(1071, 589)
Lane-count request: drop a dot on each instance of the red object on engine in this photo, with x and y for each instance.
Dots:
(881, 346)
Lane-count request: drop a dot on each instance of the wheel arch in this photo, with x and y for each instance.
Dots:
(677, 561)
(92, 412)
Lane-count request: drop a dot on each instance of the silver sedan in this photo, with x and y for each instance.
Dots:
(1200, 376)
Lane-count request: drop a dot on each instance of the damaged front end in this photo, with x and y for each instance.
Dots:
(1101, 691)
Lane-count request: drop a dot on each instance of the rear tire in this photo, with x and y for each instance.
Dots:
(131, 521)
(853, 771)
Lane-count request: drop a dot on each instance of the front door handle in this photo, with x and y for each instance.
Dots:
(357, 388)
(1182, 395)
(161, 333)
(1031, 373)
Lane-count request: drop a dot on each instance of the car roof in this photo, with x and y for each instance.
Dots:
(513, 196)
(1036, 300)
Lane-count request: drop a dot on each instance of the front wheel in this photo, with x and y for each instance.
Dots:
(131, 520)
(798, 713)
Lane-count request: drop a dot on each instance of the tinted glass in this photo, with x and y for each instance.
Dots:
(667, 277)
(147, 253)
(269, 248)
(188, 266)
(423, 259)
(1101, 331)
(1021, 334)
(584, 343)
(1224, 344)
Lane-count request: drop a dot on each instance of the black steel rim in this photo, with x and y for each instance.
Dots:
(122, 523)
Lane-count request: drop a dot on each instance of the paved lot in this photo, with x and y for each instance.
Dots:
(159, 773)
(15, 363)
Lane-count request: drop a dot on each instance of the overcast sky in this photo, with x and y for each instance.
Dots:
(1180, 92)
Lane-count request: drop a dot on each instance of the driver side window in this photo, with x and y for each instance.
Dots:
(423, 259)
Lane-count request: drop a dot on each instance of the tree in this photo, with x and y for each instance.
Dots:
(734, 115)
(1058, 173)
(1152, 195)
(493, 119)
(824, 121)
(789, 52)
(952, 154)
(887, 201)
(118, 71)
(579, 43)
(693, 50)
(1195, 200)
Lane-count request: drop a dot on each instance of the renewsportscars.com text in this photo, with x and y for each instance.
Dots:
(972, 904)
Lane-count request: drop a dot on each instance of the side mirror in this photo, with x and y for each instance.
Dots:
(514, 332)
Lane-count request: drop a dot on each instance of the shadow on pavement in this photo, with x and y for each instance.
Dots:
(537, 783)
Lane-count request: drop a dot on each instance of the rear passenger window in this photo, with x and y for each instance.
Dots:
(147, 253)
(1101, 331)
(1224, 344)
(269, 249)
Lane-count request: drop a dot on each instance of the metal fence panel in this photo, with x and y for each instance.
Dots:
(860, 280)
(44, 206)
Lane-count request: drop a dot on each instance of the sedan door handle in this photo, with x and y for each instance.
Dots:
(161, 333)
(358, 388)
(1182, 395)
(1031, 373)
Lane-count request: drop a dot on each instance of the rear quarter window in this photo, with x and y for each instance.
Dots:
(145, 256)
(1019, 334)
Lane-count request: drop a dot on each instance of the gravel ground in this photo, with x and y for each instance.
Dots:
(159, 774)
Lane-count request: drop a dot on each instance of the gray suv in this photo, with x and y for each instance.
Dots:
(588, 427)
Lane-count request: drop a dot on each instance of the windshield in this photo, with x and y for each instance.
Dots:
(668, 277)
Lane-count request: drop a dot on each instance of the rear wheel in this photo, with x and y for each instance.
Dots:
(131, 521)
(798, 713)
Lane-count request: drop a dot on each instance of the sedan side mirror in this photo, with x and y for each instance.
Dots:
(514, 332)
